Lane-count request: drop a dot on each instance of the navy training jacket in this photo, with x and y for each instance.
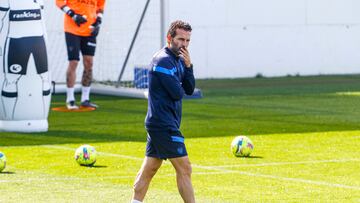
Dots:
(169, 79)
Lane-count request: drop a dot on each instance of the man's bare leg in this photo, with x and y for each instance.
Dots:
(71, 73)
(183, 169)
(87, 77)
(70, 81)
(147, 171)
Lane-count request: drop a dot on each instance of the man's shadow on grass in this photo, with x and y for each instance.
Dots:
(250, 157)
(7, 172)
(94, 166)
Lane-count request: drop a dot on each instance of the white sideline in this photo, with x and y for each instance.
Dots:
(300, 180)
(222, 170)
(101, 153)
(292, 163)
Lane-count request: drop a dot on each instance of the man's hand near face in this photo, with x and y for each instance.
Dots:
(184, 54)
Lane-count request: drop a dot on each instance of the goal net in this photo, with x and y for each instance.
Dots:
(120, 21)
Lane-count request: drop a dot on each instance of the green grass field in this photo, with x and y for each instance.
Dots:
(306, 132)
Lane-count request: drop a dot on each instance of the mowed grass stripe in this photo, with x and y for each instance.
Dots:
(292, 119)
(50, 178)
(222, 170)
(77, 189)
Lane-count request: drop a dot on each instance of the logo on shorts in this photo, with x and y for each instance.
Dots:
(15, 68)
(180, 150)
(91, 44)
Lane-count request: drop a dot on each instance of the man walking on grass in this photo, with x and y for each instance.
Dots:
(171, 76)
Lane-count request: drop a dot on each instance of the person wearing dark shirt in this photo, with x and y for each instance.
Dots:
(170, 77)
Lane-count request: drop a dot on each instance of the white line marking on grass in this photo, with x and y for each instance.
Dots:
(299, 180)
(121, 156)
(215, 168)
(101, 153)
(292, 163)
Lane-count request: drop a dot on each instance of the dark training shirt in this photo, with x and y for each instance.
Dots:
(169, 80)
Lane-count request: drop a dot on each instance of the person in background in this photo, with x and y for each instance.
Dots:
(82, 25)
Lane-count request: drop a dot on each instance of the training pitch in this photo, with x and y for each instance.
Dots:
(306, 132)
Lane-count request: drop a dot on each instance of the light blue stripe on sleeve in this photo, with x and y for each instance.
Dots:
(164, 70)
(177, 139)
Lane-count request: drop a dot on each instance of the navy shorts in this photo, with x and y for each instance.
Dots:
(20, 50)
(75, 44)
(165, 144)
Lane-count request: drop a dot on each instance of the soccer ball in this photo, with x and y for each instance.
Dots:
(2, 161)
(85, 155)
(241, 146)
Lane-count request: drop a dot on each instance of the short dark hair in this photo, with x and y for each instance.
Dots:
(178, 24)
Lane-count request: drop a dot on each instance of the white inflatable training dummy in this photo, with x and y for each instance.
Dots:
(24, 76)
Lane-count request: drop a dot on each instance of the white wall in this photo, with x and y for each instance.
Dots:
(240, 38)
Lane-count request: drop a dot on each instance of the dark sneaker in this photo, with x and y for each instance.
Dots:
(71, 105)
(88, 104)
